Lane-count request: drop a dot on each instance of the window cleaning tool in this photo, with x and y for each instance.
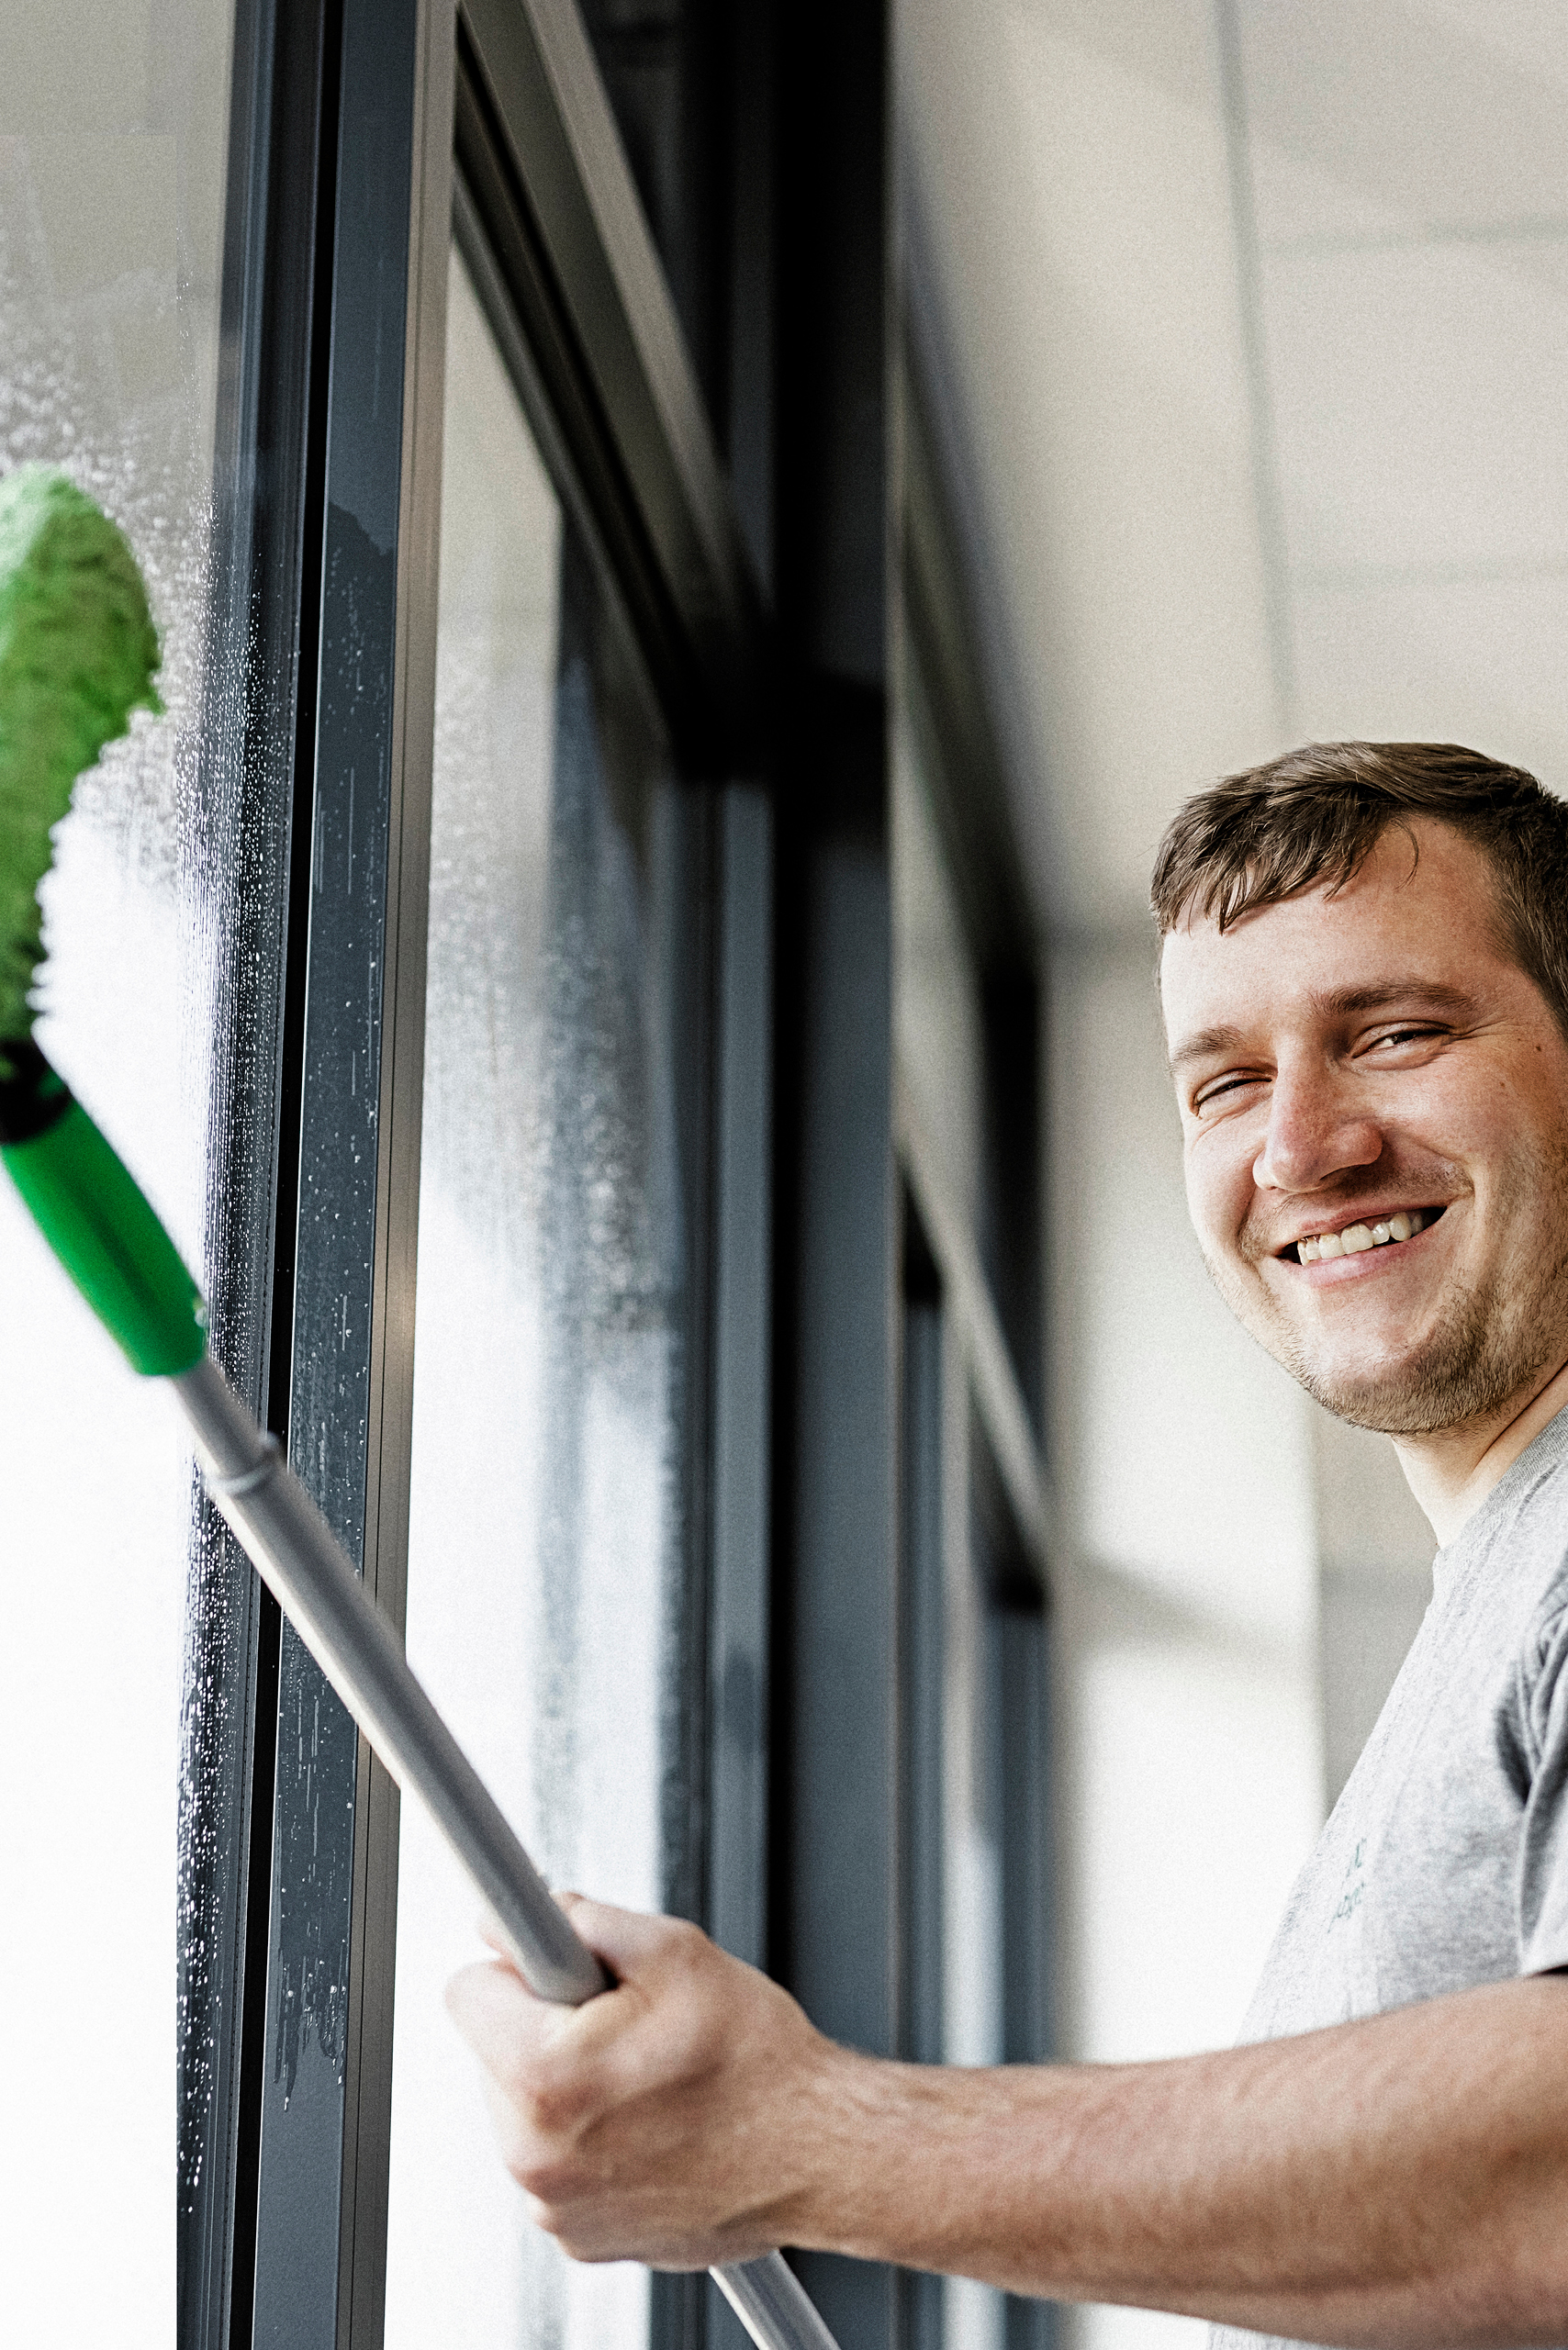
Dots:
(78, 653)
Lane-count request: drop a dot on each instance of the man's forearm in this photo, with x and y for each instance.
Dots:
(1399, 2181)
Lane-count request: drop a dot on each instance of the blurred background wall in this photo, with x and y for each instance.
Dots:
(1245, 325)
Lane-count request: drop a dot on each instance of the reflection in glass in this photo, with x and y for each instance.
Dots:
(112, 165)
(546, 1515)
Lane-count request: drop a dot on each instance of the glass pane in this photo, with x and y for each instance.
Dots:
(968, 1045)
(113, 124)
(936, 1006)
(548, 1523)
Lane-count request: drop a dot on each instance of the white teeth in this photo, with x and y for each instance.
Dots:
(1356, 1237)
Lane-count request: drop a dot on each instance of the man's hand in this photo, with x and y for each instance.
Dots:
(677, 2118)
(1401, 2181)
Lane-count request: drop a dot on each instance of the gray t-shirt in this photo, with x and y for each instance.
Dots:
(1445, 1863)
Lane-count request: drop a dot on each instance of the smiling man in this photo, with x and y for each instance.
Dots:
(1364, 973)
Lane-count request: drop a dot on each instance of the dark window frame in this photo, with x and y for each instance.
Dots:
(340, 215)
(343, 195)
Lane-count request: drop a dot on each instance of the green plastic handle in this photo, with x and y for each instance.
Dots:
(91, 1212)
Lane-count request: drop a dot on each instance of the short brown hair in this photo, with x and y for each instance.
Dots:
(1316, 814)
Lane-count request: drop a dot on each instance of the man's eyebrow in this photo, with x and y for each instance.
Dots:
(1374, 995)
(1377, 995)
(1207, 1042)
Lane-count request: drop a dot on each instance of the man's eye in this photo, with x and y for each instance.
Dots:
(1212, 1095)
(1393, 1038)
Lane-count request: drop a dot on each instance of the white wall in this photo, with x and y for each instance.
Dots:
(1246, 329)
(1068, 225)
(1189, 1755)
(1409, 178)
(1071, 239)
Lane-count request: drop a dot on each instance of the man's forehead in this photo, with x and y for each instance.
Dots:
(1293, 951)
(1414, 916)
(1321, 958)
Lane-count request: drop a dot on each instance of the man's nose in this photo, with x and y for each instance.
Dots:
(1317, 1130)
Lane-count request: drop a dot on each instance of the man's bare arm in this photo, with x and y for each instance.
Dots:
(1399, 2181)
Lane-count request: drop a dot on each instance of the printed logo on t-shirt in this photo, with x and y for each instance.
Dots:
(1353, 1887)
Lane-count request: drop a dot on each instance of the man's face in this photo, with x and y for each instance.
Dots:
(1350, 1066)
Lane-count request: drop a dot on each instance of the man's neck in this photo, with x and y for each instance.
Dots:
(1451, 1471)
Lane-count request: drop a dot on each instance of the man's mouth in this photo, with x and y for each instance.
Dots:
(1372, 1232)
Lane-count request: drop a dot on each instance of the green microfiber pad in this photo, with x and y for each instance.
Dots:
(78, 652)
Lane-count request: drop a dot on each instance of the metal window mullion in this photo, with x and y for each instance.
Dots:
(924, 1484)
(737, 1882)
(740, 1644)
(368, 2117)
(545, 167)
(320, 2224)
(837, 1778)
(245, 790)
(835, 1754)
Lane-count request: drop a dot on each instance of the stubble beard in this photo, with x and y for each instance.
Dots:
(1490, 1345)
(1469, 1367)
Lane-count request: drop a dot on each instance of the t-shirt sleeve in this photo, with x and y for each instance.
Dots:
(1543, 1859)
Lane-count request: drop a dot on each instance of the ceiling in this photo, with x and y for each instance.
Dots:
(1245, 325)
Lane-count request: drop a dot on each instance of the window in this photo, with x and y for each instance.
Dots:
(553, 1557)
(489, 965)
(973, 1494)
(112, 185)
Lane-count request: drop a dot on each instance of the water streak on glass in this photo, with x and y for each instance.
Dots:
(113, 135)
(548, 1519)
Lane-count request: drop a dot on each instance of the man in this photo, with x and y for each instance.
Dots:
(1364, 974)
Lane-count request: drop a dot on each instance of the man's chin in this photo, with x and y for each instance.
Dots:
(1393, 1403)
(1397, 1383)
(1391, 1379)
(1453, 1377)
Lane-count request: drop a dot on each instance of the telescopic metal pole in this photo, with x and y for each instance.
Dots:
(305, 1566)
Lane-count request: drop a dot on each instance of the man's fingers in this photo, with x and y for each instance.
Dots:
(626, 1939)
(509, 2030)
(499, 2017)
